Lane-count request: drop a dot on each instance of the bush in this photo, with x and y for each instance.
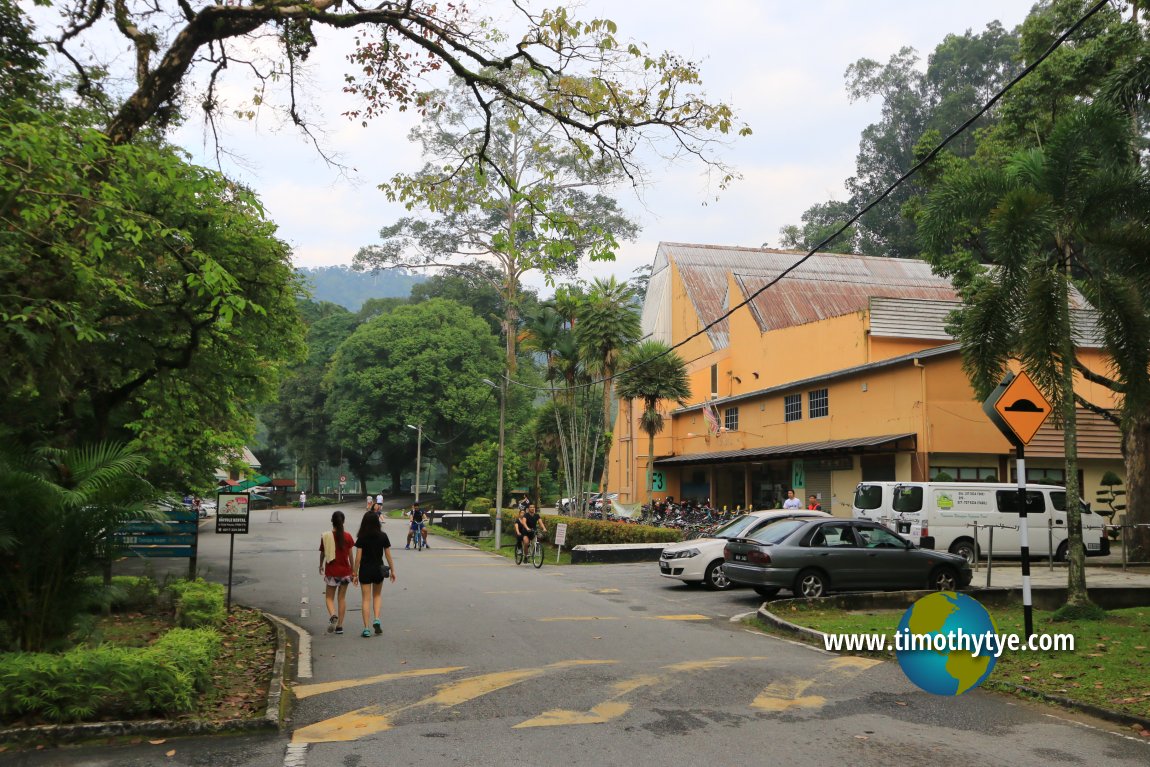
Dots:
(109, 682)
(198, 603)
(590, 531)
(480, 505)
(126, 592)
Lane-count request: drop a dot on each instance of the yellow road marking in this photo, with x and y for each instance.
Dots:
(307, 690)
(853, 662)
(691, 617)
(606, 591)
(579, 618)
(787, 694)
(478, 564)
(373, 719)
(613, 707)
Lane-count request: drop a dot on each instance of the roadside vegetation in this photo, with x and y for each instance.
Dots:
(1109, 667)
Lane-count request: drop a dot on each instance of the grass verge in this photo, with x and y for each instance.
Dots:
(243, 669)
(1108, 668)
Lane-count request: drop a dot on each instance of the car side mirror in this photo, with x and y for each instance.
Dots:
(909, 545)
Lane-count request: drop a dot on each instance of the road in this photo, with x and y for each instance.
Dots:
(483, 662)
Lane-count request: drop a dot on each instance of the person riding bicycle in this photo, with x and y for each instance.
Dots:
(530, 522)
(418, 522)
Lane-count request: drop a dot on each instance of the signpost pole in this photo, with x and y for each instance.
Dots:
(1027, 604)
(231, 557)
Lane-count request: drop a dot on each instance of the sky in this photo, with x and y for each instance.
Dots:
(781, 65)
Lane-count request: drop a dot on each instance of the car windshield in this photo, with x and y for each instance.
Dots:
(735, 528)
(777, 531)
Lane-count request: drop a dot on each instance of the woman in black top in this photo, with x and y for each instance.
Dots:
(371, 546)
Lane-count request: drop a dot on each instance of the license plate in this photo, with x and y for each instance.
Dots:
(904, 528)
(1093, 546)
(740, 557)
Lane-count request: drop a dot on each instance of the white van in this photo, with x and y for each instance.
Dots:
(941, 515)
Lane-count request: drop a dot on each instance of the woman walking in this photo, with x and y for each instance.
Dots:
(335, 563)
(372, 545)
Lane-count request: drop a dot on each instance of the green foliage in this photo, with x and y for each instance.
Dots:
(477, 473)
(198, 603)
(591, 531)
(109, 682)
(1072, 613)
(126, 592)
(480, 505)
(942, 476)
(56, 507)
(145, 298)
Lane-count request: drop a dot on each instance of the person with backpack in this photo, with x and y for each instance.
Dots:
(418, 522)
(335, 547)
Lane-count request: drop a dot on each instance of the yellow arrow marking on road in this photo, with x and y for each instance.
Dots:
(374, 719)
(788, 693)
(613, 708)
(307, 690)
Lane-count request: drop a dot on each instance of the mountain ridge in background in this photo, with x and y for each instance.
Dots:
(348, 288)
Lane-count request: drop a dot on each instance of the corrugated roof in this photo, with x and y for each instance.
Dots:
(826, 285)
(803, 448)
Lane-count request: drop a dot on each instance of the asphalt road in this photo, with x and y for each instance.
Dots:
(483, 662)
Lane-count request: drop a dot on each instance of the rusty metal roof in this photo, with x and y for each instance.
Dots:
(826, 285)
(856, 445)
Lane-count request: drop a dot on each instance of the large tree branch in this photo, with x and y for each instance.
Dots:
(1098, 378)
(1098, 410)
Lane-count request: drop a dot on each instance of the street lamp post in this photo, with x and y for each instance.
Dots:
(501, 388)
(418, 455)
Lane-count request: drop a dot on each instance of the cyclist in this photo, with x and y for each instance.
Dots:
(418, 522)
(529, 524)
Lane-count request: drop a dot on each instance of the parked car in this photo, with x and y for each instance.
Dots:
(812, 557)
(700, 560)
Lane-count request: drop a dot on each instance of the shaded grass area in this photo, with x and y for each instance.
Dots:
(1109, 666)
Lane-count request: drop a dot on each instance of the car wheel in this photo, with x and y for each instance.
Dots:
(964, 547)
(1063, 552)
(811, 584)
(715, 578)
(766, 591)
(944, 579)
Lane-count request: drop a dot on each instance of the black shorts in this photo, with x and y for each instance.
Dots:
(371, 573)
(529, 534)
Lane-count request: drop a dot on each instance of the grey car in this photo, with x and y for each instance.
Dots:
(812, 557)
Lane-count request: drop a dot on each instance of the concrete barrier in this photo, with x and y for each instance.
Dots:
(617, 552)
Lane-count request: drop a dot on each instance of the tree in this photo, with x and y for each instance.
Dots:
(653, 373)
(475, 285)
(474, 476)
(1042, 222)
(819, 222)
(55, 512)
(608, 323)
(419, 364)
(605, 93)
(523, 199)
(145, 300)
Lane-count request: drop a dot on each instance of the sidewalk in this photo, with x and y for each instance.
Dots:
(1100, 572)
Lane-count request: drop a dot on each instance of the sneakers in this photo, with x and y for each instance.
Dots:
(331, 623)
(408, 546)
(378, 628)
(339, 630)
(366, 633)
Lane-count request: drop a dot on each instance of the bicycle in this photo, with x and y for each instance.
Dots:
(535, 555)
(418, 538)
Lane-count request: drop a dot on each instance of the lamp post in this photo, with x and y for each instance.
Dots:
(499, 461)
(418, 455)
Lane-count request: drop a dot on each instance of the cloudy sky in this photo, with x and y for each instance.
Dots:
(781, 64)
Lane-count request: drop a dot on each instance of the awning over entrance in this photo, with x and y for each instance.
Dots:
(902, 442)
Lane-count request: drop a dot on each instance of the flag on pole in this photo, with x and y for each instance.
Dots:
(710, 417)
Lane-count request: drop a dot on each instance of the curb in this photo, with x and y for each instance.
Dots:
(271, 721)
(1098, 712)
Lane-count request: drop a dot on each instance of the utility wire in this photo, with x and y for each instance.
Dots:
(890, 189)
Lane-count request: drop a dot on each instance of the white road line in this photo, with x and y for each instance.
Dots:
(296, 755)
(1122, 735)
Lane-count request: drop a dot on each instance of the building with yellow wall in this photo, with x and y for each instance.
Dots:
(840, 371)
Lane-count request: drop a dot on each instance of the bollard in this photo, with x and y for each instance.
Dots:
(990, 557)
(1050, 542)
(976, 549)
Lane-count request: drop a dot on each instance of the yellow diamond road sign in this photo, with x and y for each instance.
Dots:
(1017, 408)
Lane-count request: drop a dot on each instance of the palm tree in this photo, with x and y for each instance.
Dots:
(1017, 239)
(608, 323)
(652, 372)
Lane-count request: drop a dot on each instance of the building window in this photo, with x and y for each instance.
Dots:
(714, 379)
(731, 419)
(963, 474)
(818, 404)
(793, 407)
(1039, 476)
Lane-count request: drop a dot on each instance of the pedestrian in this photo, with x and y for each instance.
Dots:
(335, 547)
(813, 504)
(523, 503)
(379, 502)
(792, 502)
(372, 546)
(303, 500)
(370, 504)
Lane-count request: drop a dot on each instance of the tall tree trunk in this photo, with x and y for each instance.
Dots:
(608, 433)
(650, 469)
(1076, 594)
(1136, 444)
